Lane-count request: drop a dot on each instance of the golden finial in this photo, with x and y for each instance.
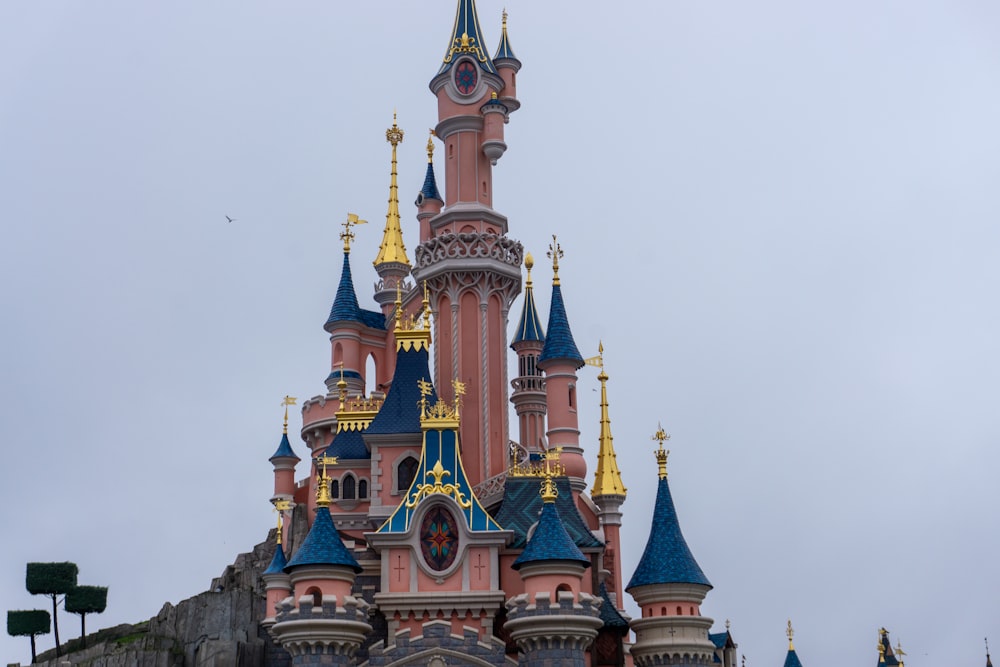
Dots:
(661, 454)
(549, 490)
(790, 633)
(394, 135)
(529, 263)
(503, 20)
(430, 147)
(425, 390)
(427, 307)
(459, 389)
(288, 400)
(881, 644)
(399, 304)
(555, 252)
(900, 652)
(347, 235)
(281, 505)
(323, 498)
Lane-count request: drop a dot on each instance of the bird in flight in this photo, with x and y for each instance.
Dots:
(228, 219)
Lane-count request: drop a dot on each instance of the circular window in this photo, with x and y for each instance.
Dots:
(439, 539)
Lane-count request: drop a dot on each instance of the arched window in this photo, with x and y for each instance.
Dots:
(317, 596)
(349, 487)
(572, 395)
(663, 611)
(692, 611)
(363, 488)
(335, 489)
(680, 612)
(405, 472)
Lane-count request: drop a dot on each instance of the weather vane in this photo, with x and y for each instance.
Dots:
(555, 253)
(661, 453)
(347, 235)
(288, 400)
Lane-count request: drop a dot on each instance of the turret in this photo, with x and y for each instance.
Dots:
(322, 623)
(391, 263)
(608, 492)
(791, 658)
(429, 201)
(507, 66)
(528, 396)
(346, 322)
(669, 587)
(554, 621)
(284, 460)
(560, 359)
(277, 583)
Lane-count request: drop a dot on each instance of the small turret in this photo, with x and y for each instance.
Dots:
(346, 321)
(528, 396)
(429, 200)
(284, 460)
(391, 263)
(554, 619)
(277, 584)
(669, 587)
(507, 66)
(560, 359)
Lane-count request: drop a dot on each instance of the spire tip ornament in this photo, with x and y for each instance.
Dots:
(347, 235)
(790, 633)
(288, 400)
(555, 253)
(661, 453)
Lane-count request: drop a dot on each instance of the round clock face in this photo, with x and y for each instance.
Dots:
(465, 77)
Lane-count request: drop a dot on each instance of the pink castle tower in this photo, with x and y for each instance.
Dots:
(529, 386)
(470, 265)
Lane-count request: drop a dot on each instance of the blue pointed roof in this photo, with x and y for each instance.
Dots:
(609, 614)
(503, 50)
(467, 25)
(323, 545)
(284, 450)
(430, 189)
(345, 304)
(667, 558)
(522, 503)
(400, 412)
(792, 659)
(278, 562)
(559, 343)
(550, 541)
(720, 639)
(530, 326)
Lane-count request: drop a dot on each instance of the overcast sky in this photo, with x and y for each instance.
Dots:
(782, 218)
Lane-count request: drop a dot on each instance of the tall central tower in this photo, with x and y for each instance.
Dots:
(465, 256)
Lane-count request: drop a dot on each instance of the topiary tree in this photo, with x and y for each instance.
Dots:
(52, 579)
(28, 624)
(85, 600)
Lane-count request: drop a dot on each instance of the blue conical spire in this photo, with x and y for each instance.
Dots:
(559, 343)
(550, 541)
(504, 52)
(345, 304)
(430, 189)
(792, 659)
(278, 562)
(530, 326)
(467, 37)
(667, 558)
(323, 545)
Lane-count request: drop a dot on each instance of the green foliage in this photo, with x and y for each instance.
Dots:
(51, 578)
(87, 600)
(28, 623)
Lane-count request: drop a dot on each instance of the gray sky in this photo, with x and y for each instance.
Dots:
(781, 218)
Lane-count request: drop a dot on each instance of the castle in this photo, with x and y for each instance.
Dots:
(437, 538)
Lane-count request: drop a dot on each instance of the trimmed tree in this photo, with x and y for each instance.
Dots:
(52, 579)
(85, 600)
(28, 624)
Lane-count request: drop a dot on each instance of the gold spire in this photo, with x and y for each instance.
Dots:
(347, 235)
(790, 633)
(323, 498)
(392, 248)
(555, 252)
(607, 476)
(430, 148)
(661, 454)
(288, 400)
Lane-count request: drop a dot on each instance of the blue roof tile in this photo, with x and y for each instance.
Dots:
(522, 503)
(348, 445)
(667, 558)
(323, 545)
(430, 189)
(284, 450)
(400, 412)
(530, 326)
(559, 343)
(792, 659)
(611, 617)
(345, 304)
(278, 562)
(550, 541)
(503, 49)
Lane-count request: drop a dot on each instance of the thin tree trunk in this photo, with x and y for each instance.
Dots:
(55, 624)
(33, 656)
(83, 629)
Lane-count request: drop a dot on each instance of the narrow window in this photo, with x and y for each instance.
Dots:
(349, 485)
(405, 472)
(680, 612)
(363, 488)
(335, 489)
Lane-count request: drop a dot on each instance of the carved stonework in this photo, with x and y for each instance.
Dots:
(469, 245)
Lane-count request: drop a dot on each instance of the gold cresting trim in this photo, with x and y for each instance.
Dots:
(323, 498)
(549, 463)
(281, 505)
(440, 416)
(288, 400)
(555, 252)
(661, 453)
(412, 332)
(357, 413)
(347, 235)
(393, 249)
(438, 473)
(607, 476)
(790, 633)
